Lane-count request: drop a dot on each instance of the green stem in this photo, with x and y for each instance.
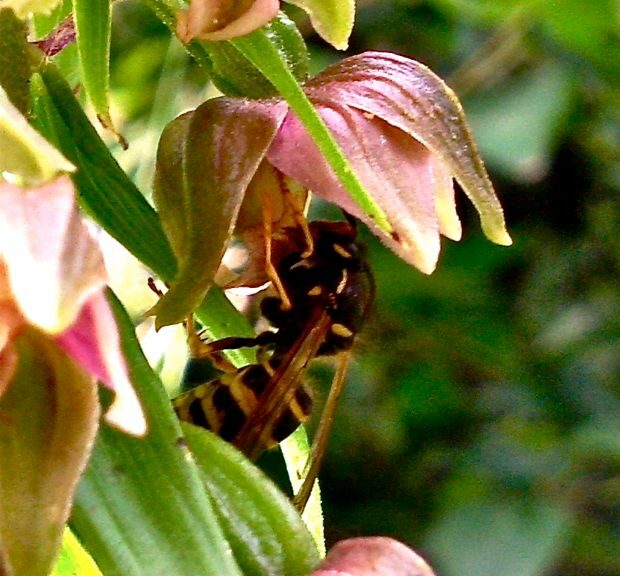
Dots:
(262, 53)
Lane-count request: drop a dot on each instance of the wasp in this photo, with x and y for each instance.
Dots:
(324, 294)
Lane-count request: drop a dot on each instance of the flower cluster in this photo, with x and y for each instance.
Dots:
(403, 133)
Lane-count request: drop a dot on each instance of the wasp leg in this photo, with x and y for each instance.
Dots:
(319, 444)
(298, 215)
(270, 269)
(201, 349)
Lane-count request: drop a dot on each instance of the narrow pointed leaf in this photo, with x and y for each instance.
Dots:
(258, 49)
(141, 507)
(265, 531)
(332, 19)
(93, 26)
(234, 75)
(48, 420)
(105, 192)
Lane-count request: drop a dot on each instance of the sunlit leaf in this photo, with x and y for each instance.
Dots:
(332, 19)
(141, 507)
(93, 26)
(73, 559)
(264, 530)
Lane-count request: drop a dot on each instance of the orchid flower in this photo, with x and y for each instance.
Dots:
(373, 556)
(400, 127)
(216, 20)
(58, 336)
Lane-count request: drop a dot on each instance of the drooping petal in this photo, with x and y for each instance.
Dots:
(93, 342)
(54, 264)
(411, 97)
(373, 556)
(216, 20)
(204, 167)
(49, 418)
(396, 170)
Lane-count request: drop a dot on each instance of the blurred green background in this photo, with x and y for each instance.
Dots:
(481, 423)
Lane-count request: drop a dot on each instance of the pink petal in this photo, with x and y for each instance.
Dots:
(93, 342)
(411, 97)
(375, 556)
(53, 263)
(395, 169)
(215, 20)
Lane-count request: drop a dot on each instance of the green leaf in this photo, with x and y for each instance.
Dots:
(49, 416)
(230, 71)
(73, 559)
(259, 50)
(113, 201)
(296, 450)
(141, 507)
(105, 192)
(14, 63)
(332, 19)
(92, 26)
(264, 530)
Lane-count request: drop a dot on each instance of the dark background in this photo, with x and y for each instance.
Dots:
(481, 423)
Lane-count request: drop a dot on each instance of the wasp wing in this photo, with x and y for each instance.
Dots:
(282, 386)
